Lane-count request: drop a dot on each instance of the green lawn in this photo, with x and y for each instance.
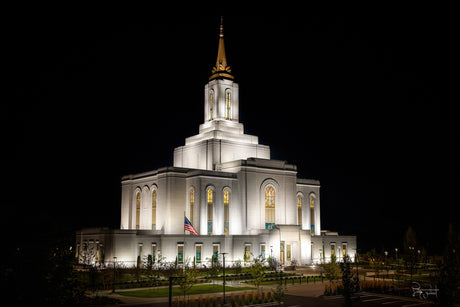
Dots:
(164, 292)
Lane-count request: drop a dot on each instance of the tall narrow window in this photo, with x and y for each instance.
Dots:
(269, 207)
(247, 252)
(180, 253)
(282, 252)
(211, 105)
(192, 205)
(228, 103)
(198, 253)
(312, 215)
(332, 250)
(154, 209)
(288, 252)
(138, 209)
(210, 203)
(299, 210)
(344, 250)
(226, 212)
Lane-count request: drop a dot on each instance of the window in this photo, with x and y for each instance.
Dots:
(180, 253)
(215, 251)
(210, 209)
(288, 252)
(198, 253)
(312, 215)
(211, 105)
(228, 103)
(262, 251)
(154, 209)
(282, 252)
(332, 249)
(299, 210)
(154, 252)
(344, 250)
(247, 252)
(192, 204)
(226, 211)
(269, 207)
(138, 209)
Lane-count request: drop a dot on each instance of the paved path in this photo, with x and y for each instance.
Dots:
(295, 295)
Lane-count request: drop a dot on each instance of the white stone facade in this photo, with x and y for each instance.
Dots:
(259, 206)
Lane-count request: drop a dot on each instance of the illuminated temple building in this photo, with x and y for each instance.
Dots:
(239, 200)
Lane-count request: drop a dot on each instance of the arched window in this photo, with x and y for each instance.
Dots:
(211, 105)
(312, 215)
(269, 207)
(228, 103)
(226, 211)
(192, 204)
(210, 209)
(299, 209)
(138, 209)
(154, 209)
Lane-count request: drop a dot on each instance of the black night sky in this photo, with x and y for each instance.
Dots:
(362, 103)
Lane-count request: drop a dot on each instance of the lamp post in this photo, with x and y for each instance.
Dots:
(223, 269)
(171, 278)
(411, 249)
(114, 268)
(386, 264)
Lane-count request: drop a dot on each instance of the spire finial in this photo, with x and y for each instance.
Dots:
(221, 70)
(221, 26)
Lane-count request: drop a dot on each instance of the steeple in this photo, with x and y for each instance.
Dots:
(221, 70)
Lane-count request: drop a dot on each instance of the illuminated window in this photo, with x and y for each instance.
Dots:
(215, 250)
(344, 250)
(192, 204)
(138, 209)
(226, 212)
(210, 205)
(198, 253)
(211, 105)
(228, 103)
(154, 209)
(288, 252)
(180, 253)
(312, 215)
(299, 210)
(269, 207)
(154, 252)
(332, 249)
(247, 252)
(282, 252)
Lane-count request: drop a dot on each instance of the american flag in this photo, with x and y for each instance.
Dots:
(189, 227)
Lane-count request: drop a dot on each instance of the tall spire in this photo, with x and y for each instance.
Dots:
(221, 70)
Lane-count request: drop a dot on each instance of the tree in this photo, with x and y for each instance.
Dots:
(189, 277)
(257, 270)
(350, 282)
(409, 239)
(215, 268)
(449, 270)
(331, 269)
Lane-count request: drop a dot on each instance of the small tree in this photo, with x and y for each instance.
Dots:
(257, 270)
(237, 266)
(215, 268)
(189, 274)
(331, 269)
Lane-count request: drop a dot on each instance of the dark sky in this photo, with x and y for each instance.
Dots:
(363, 103)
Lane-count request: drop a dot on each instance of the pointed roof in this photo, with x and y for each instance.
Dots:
(221, 70)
